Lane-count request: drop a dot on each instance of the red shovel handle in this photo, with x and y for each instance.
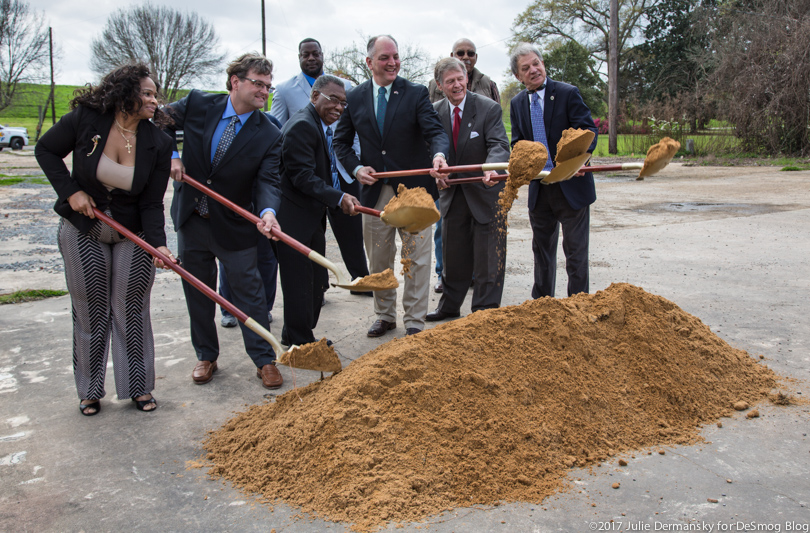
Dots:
(283, 237)
(367, 210)
(199, 285)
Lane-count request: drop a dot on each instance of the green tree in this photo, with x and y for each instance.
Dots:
(571, 63)
(583, 21)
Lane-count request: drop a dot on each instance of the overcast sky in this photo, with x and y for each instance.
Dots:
(431, 24)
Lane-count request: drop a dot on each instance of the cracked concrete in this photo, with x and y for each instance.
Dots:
(741, 266)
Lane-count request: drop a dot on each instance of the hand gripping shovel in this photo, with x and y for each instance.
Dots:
(359, 284)
(199, 285)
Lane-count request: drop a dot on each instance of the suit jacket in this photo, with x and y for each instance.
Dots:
(306, 172)
(481, 139)
(292, 95)
(412, 135)
(140, 209)
(253, 158)
(563, 108)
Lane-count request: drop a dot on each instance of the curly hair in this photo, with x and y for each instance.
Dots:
(120, 90)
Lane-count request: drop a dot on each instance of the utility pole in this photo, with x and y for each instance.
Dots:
(53, 84)
(613, 78)
(264, 45)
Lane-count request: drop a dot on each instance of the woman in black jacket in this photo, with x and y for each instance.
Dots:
(121, 165)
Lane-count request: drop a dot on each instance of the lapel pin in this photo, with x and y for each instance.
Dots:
(469, 125)
(396, 92)
(551, 98)
(95, 140)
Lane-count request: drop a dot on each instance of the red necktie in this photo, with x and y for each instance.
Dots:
(456, 124)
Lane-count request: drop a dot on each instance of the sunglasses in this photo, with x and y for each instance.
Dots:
(470, 53)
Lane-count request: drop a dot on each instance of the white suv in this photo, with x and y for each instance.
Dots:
(12, 137)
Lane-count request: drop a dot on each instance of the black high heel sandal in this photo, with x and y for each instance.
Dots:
(140, 404)
(95, 405)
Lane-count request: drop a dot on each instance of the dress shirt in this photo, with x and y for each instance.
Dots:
(453, 110)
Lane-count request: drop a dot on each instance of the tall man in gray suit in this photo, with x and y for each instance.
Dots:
(473, 236)
(398, 130)
(231, 147)
(294, 94)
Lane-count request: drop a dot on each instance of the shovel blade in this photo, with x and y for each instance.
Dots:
(565, 170)
(411, 219)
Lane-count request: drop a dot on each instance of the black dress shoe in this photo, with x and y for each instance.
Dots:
(362, 293)
(439, 287)
(380, 328)
(438, 314)
(412, 331)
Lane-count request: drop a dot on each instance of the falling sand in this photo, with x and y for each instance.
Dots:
(658, 156)
(493, 407)
(312, 356)
(526, 162)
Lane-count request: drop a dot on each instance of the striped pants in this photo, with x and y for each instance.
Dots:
(110, 281)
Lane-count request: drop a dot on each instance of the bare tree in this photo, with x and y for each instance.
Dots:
(180, 47)
(350, 62)
(763, 73)
(23, 48)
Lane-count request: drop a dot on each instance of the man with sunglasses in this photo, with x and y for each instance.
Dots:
(478, 83)
(310, 185)
(294, 94)
(231, 147)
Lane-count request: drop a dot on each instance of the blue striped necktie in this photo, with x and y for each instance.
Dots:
(539, 127)
(332, 160)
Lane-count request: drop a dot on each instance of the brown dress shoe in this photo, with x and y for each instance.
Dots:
(439, 287)
(380, 328)
(203, 371)
(271, 377)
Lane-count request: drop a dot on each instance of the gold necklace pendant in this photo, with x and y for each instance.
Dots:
(129, 146)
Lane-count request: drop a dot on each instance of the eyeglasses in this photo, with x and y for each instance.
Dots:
(470, 53)
(260, 84)
(342, 103)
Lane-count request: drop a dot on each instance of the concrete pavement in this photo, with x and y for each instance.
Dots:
(727, 245)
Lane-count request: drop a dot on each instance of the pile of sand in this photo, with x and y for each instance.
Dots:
(312, 356)
(496, 406)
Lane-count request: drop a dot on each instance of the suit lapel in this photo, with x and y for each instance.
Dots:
(144, 154)
(396, 96)
(246, 133)
(212, 118)
(316, 119)
(370, 96)
(548, 105)
(467, 122)
(525, 117)
(444, 115)
(303, 85)
(101, 127)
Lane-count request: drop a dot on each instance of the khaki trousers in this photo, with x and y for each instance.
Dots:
(381, 249)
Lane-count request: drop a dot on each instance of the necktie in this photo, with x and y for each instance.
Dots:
(332, 160)
(456, 125)
(539, 127)
(381, 105)
(224, 142)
